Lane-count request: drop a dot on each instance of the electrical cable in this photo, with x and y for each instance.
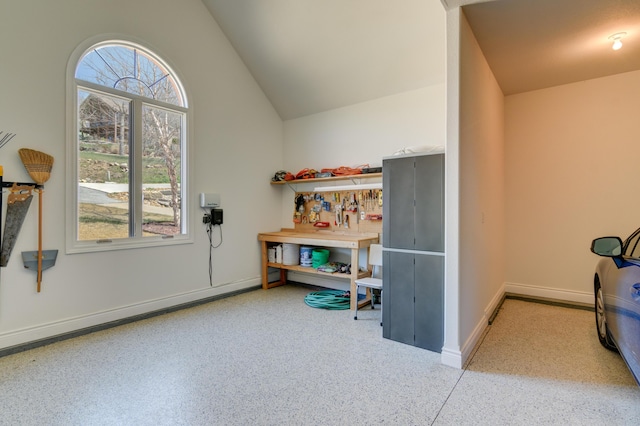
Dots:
(210, 227)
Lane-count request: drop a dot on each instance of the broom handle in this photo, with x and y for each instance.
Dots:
(39, 238)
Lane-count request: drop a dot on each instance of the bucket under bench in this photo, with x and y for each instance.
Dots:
(320, 238)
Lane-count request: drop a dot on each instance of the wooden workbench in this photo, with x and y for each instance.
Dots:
(328, 239)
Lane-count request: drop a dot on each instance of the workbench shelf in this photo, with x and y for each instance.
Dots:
(329, 179)
(308, 270)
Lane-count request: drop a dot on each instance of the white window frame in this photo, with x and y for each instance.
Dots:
(73, 245)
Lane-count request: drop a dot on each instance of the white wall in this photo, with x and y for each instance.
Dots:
(482, 217)
(451, 353)
(236, 141)
(572, 154)
(366, 132)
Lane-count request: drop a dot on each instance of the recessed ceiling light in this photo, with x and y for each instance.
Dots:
(617, 40)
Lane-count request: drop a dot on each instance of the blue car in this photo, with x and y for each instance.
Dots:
(617, 297)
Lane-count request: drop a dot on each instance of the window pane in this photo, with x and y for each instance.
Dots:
(131, 140)
(161, 164)
(103, 166)
(131, 70)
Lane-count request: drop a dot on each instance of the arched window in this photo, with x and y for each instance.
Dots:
(129, 149)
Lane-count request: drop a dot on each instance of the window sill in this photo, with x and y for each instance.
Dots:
(126, 244)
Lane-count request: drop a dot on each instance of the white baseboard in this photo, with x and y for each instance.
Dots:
(451, 358)
(481, 326)
(549, 293)
(495, 303)
(68, 325)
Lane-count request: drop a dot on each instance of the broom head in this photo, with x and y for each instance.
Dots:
(37, 163)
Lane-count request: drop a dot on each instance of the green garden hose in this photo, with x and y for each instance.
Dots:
(329, 299)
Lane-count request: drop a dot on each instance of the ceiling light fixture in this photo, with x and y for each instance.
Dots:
(617, 40)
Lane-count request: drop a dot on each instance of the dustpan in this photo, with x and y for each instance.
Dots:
(30, 259)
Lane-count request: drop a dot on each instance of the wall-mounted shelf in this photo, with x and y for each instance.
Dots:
(353, 178)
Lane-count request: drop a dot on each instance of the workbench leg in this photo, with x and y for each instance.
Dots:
(355, 255)
(354, 277)
(265, 268)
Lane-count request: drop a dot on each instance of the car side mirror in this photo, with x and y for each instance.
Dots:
(607, 246)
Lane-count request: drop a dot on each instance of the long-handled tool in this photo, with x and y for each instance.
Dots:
(39, 165)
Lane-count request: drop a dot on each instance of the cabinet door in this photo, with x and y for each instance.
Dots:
(398, 181)
(429, 204)
(398, 296)
(429, 302)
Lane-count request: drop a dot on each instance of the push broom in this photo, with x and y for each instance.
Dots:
(38, 164)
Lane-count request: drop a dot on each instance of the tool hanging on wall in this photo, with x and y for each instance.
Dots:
(299, 209)
(300, 203)
(39, 165)
(18, 203)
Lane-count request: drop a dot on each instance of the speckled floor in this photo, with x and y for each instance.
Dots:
(265, 358)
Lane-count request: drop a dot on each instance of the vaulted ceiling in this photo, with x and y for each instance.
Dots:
(315, 55)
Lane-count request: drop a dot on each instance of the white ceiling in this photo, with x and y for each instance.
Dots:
(316, 55)
(533, 44)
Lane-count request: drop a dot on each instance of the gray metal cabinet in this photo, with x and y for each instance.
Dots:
(413, 244)
(413, 210)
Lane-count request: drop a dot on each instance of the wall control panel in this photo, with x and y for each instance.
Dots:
(209, 201)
